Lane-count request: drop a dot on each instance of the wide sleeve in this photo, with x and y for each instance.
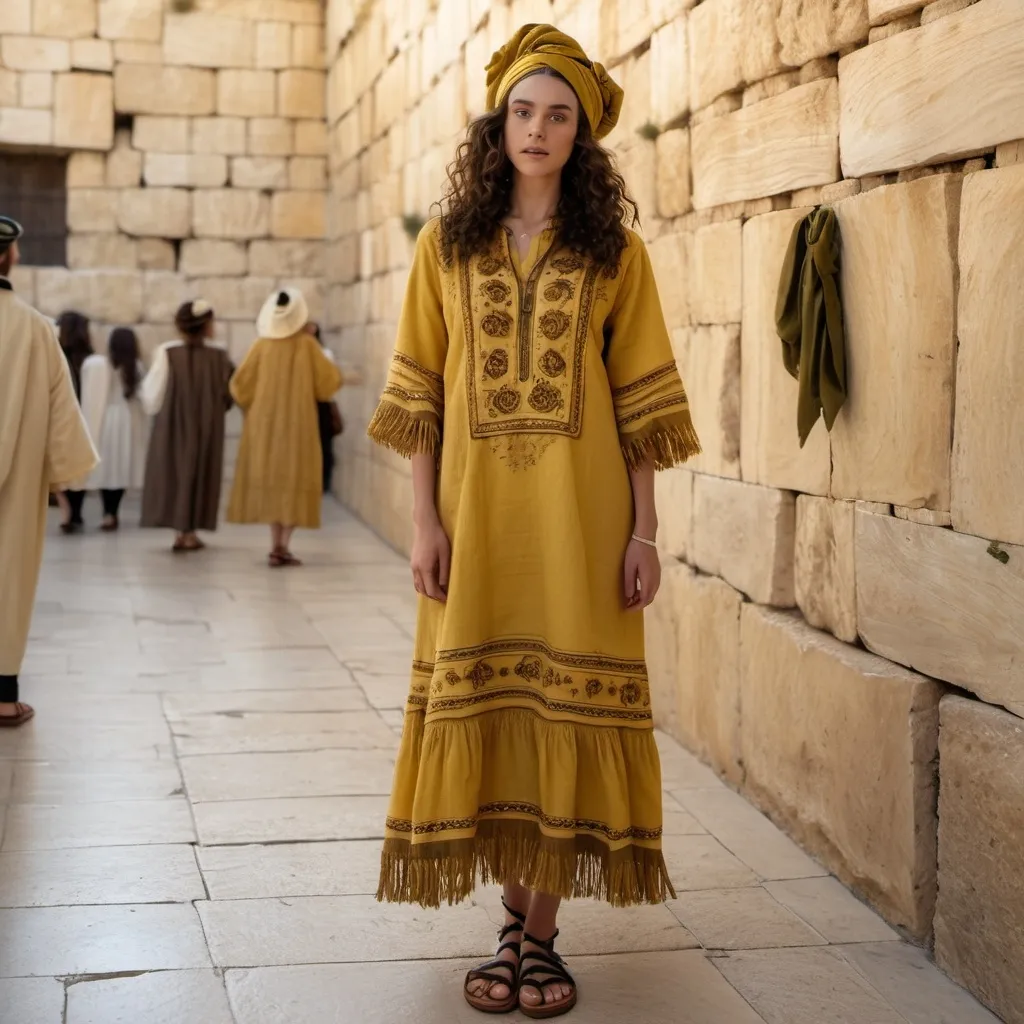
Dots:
(243, 381)
(410, 415)
(95, 386)
(154, 384)
(652, 412)
(70, 455)
(327, 378)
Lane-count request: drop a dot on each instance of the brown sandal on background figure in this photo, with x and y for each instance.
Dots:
(280, 558)
(25, 712)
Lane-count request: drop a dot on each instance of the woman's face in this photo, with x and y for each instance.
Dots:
(540, 130)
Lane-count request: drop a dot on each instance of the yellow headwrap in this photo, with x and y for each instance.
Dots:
(538, 46)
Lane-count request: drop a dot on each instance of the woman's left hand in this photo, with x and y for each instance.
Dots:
(642, 575)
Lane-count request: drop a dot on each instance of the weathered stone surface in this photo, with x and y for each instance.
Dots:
(280, 258)
(770, 451)
(696, 628)
(131, 52)
(37, 89)
(92, 209)
(110, 296)
(881, 11)
(162, 294)
(26, 127)
(924, 516)
(839, 746)
(156, 254)
(271, 136)
(230, 213)
(939, 602)
(83, 111)
(223, 135)
(310, 138)
(308, 46)
(10, 91)
(670, 73)
(307, 173)
(745, 534)
(824, 567)
(159, 212)
(768, 148)
(187, 170)
(818, 28)
(34, 53)
(671, 255)
(207, 257)
(161, 134)
(142, 89)
(1010, 153)
(899, 353)
(69, 19)
(16, 18)
(234, 298)
(979, 917)
(246, 93)
(712, 380)
(716, 273)
(87, 170)
(140, 20)
(673, 491)
(202, 40)
(672, 151)
(124, 164)
(988, 443)
(301, 93)
(922, 71)
(298, 215)
(270, 172)
(91, 252)
(92, 55)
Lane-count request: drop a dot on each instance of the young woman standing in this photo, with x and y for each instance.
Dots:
(534, 387)
(76, 343)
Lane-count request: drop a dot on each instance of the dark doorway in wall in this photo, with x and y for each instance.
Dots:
(33, 190)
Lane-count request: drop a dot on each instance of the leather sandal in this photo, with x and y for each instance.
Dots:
(551, 967)
(487, 972)
(20, 717)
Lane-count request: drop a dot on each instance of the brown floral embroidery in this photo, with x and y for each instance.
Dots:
(553, 324)
(545, 398)
(559, 291)
(489, 265)
(506, 400)
(612, 690)
(594, 687)
(497, 324)
(551, 678)
(552, 363)
(479, 674)
(568, 264)
(497, 364)
(496, 291)
(629, 693)
(529, 668)
(452, 678)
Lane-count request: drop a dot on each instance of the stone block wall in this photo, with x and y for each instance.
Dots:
(822, 605)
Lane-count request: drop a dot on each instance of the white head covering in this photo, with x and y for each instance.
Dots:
(283, 314)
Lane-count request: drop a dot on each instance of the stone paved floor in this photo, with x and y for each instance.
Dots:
(189, 828)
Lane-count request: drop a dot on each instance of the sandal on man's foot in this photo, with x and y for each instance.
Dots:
(549, 970)
(23, 712)
(486, 1003)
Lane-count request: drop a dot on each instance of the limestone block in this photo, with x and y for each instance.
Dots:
(672, 150)
(881, 11)
(10, 91)
(273, 45)
(307, 173)
(110, 296)
(156, 254)
(899, 353)
(24, 281)
(83, 111)
(92, 209)
(36, 90)
(301, 93)
(140, 20)
(202, 40)
(124, 164)
(716, 274)
(16, 17)
(271, 136)
(69, 19)
(671, 255)
(988, 443)
(808, 30)
(298, 215)
(159, 212)
(161, 134)
(940, 602)
(92, 55)
(924, 516)
(142, 89)
(162, 294)
(226, 136)
(745, 534)
(91, 252)
(670, 73)
(907, 101)
(230, 213)
(33, 53)
(740, 155)
(839, 747)
(1010, 153)
(269, 172)
(86, 170)
(234, 298)
(823, 567)
(188, 170)
(131, 52)
(208, 257)
(310, 138)
(246, 93)
(712, 379)
(978, 934)
(673, 491)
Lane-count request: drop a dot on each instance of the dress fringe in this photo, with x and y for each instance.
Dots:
(405, 432)
(662, 443)
(504, 850)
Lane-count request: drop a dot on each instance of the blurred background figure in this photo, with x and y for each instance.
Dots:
(43, 445)
(329, 418)
(186, 390)
(116, 421)
(279, 475)
(76, 343)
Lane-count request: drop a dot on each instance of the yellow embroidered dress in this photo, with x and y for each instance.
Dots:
(528, 752)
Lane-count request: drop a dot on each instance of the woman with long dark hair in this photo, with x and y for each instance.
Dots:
(533, 385)
(76, 344)
(116, 420)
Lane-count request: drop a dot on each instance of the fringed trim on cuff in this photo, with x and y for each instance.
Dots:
(405, 432)
(662, 442)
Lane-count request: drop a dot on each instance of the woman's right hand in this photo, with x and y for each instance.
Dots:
(431, 559)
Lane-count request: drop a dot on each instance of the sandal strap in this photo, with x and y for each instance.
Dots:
(521, 918)
(485, 972)
(550, 965)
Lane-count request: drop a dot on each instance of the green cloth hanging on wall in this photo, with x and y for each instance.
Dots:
(809, 320)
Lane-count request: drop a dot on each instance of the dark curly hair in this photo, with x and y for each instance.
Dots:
(592, 212)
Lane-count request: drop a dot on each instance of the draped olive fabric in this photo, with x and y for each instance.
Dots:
(809, 320)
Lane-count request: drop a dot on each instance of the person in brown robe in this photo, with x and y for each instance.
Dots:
(186, 390)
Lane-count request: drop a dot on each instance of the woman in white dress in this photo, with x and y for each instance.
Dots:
(117, 422)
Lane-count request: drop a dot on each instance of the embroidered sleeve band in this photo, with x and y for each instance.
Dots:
(411, 410)
(653, 417)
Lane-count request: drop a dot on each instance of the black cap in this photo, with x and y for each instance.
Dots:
(10, 232)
